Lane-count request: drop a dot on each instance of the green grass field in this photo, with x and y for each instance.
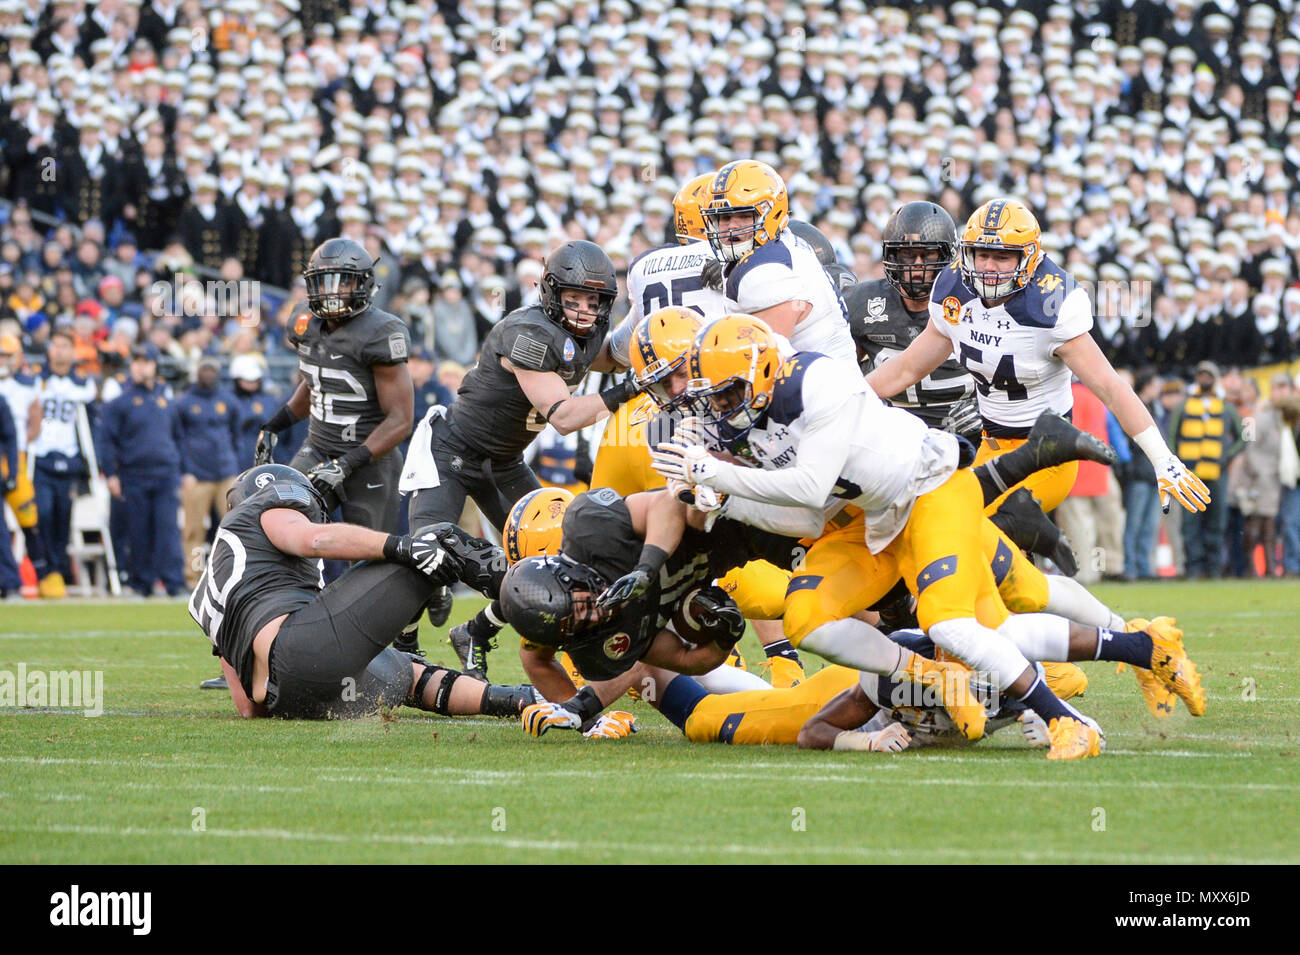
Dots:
(169, 774)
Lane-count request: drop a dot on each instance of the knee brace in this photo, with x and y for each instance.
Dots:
(441, 695)
(981, 649)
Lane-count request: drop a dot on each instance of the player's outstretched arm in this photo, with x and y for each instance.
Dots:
(1082, 356)
(930, 350)
(836, 726)
(544, 671)
(564, 412)
(291, 532)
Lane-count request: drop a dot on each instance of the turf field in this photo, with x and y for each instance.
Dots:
(169, 774)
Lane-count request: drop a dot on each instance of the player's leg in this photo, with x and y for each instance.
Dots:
(958, 607)
(759, 589)
(623, 460)
(196, 501)
(1022, 520)
(373, 498)
(1053, 442)
(22, 499)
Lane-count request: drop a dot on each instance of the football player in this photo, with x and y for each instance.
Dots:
(1019, 323)
(292, 648)
(825, 435)
(355, 385)
(529, 365)
(19, 393)
(767, 270)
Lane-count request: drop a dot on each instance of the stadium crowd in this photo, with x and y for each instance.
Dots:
(147, 144)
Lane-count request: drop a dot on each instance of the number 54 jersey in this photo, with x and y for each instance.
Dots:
(338, 364)
(1010, 349)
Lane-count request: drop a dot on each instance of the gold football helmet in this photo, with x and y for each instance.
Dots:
(660, 342)
(686, 208)
(533, 527)
(1000, 224)
(734, 363)
(745, 187)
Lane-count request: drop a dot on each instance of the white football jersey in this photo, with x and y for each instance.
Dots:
(60, 396)
(18, 392)
(893, 456)
(1010, 349)
(786, 269)
(667, 275)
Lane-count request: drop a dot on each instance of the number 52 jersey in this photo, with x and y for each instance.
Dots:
(1010, 349)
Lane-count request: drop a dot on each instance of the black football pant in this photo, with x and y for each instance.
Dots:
(371, 491)
(464, 472)
(332, 659)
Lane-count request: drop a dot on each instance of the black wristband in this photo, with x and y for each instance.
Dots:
(358, 457)
(586, 704)
(281, 420)
(392, 545)
(615, 395)
(652, 559)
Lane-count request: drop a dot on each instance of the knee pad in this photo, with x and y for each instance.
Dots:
(981, 649)
(442, 693)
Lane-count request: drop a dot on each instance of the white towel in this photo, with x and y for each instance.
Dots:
(420, 471)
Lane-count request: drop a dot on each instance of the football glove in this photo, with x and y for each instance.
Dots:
(963, 417)
(540, 717)
(616, 724)
(711, 275)
(690, 431)
(423, 553)
(894, 738)
(627, 588)
(690, 464)
(714, 613)
(1176, 482)
(266, 442)
(328, 476)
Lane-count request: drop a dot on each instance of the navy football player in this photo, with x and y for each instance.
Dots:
(294, 649)
(529, 366)
(355, 383)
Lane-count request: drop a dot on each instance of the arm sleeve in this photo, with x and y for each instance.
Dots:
(806, 483)
(390, 345)
(785, 521)
(620, 339)
(528, 347)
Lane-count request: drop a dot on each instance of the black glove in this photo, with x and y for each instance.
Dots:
(478, 563)
(718, 616)
(963, 417)
(711, 275)
(266, 441)
(615, 395)
(423, 553)
(627, 588)
(328, 476)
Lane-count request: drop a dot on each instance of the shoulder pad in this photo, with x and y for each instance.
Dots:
(604, 496)
(299, 325)
(774, 251)
(787, 395)
(950, 285)
(1038, 305)
(658, 248)
(26, 380)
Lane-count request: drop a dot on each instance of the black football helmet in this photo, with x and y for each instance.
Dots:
(340, 280)
(917, 226)
(817, 239)
(582, 266)
(256, 478)
(537, 597)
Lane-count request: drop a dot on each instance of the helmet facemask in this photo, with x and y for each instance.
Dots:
(903, 274)
(585, 321)
(336, 295)
(730, 410)
(991, 284)
(735, 242)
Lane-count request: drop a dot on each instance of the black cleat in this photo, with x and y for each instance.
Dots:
(1022, 520)
(471, 652)
(409, 641)
(216, 683)
(440, 606)
(1055, 441)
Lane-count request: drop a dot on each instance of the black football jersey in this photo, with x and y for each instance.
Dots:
(882, 328)
(491, 412)
(344, 403)
(597, 531)
(248, 581)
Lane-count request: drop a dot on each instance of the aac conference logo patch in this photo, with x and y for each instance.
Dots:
(569, 350)
(300, 326)
(951, 310)
(616, 647)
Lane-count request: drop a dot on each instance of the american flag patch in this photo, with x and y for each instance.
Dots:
(528, 352)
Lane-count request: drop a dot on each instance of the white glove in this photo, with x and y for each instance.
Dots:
(1176, 481)
(691, 431)
(689, 464)
(1034, 729)
(894, 738)
(616, 724)
(540, 717)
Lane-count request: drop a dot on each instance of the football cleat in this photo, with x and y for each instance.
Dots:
(1056, 441)
(783, 673)
(471, 653)
(1034, 729)
(216, 683)
(1073, 739)
(959, 701)
(1171, 665)
(1160, 700)
(52, 587)
(439, 606)
(1065, 680)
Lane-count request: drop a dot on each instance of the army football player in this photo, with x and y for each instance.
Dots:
(354, 381)
(528, 367)
(1020, 324)
(292, 649)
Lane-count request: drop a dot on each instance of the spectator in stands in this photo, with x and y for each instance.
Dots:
(210, 426)
(1206, 432)
(141, 459)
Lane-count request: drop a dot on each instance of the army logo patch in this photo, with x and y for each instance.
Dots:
(397, 346)
(617, 646)
(951, 310)
(262, 480)
(876, 310)
(569, 350)
(300, 325)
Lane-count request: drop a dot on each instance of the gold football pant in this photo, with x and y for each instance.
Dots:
(623, 460)
(760, 716)
(23, 497)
